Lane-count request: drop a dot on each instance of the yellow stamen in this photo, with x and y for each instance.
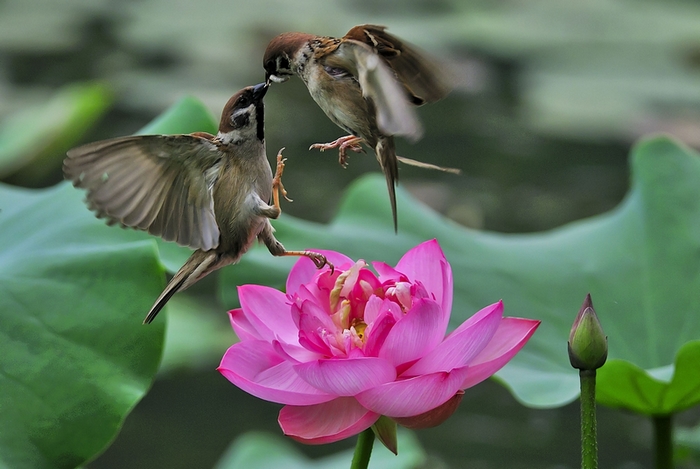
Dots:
(360, 327)
(343, 314)
(335, 293)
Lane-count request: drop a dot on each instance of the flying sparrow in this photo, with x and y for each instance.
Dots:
(210, 193)
(367, 83)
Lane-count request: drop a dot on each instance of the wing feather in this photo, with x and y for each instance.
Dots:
(395, 114)
(157, 183)
(424, 80)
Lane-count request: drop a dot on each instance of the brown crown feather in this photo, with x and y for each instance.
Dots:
(286, 43)
(225, 122)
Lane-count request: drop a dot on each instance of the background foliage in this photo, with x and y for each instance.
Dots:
(551, 97)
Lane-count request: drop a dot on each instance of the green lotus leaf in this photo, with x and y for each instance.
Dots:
(74, 357)
(41, 135)
(185, 116)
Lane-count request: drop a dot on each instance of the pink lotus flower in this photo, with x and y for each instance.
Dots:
(340, 350)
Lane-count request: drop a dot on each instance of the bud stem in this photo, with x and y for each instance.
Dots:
(589, 438)
(363, 450)
(663, 433)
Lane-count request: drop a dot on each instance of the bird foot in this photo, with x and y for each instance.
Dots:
(277, 186)
(349, 142)
(317, 258)
(320, 260)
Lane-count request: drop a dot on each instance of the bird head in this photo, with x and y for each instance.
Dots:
(243, 116)
(281, 56)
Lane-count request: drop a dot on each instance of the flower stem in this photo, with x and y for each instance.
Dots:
(663, 433)
(589, 439)
(363, 450)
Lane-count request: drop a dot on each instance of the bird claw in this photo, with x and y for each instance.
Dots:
(320, 260)
(342, 153)
(277, 180)
(348, 142)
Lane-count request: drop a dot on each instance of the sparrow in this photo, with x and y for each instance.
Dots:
(211, 193)
(367, 83)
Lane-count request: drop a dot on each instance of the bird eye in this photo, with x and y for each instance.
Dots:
(243, 101)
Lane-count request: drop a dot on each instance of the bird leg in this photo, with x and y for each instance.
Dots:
(277, 185)
(277, 249)
(349, 142)
(317, 258)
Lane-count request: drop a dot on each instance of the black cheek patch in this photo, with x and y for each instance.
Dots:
(241, 120)
(284, 63)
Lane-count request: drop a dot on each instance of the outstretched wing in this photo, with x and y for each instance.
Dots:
(395, 114)
(158, 183)
(423, 79)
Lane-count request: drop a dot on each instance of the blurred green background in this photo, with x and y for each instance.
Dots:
(550, 97)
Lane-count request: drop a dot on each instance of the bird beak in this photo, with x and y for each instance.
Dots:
(274, 78)
(260, 90)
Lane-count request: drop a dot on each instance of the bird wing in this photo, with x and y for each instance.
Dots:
(395, 115)
(423, 79)
(162, 184)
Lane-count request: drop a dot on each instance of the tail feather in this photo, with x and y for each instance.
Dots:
(197, 266)
(386, 154)
(421, 164)
(169, 291)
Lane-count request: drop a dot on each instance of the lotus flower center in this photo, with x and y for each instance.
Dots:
(359, 326)
(348, 297)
